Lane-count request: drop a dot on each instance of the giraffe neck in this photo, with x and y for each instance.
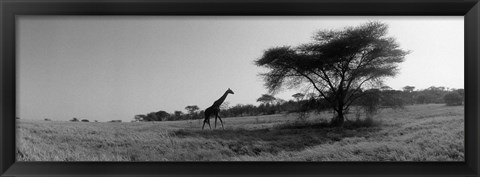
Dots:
(220, 100)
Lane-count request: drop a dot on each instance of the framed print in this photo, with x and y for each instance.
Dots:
(251, 88)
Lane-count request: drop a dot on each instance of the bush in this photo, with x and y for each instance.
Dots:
(370, 102)
(453, 99)
(394, 103)
(392, 99)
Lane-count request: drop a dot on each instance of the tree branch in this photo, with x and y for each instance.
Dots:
(328, 81)
(355, 98)
(358, 87)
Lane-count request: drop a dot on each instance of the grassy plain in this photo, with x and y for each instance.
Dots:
(416, 133)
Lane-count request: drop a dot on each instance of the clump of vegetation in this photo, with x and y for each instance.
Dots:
(453, 99)
(370, 102)
(392, 99)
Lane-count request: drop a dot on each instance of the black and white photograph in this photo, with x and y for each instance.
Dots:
(240, 88)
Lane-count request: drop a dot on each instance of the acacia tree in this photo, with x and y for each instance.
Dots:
(266, 98)
(139, 118)
(338, 64)
(298, 96)
(408, 89)
(192, 109)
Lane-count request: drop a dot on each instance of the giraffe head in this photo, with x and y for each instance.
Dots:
(230, 91)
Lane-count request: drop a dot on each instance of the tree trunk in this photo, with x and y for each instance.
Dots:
(338, 121)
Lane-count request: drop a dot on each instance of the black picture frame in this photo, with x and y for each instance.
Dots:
(9, 9)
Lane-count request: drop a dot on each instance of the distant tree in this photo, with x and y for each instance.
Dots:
(392, 99)
(408, 89)
(435, 94)
(409, 94)
(421, 99)
(85, 120)
(280, 101)
(370, 102)
(162, 115)
(74, 120)
(96, 120)
(200, 114)
(461, 92)
(266, 99)
(453, 99)
(139, 117)
(17, 117)
(47, 119)
(338, 64)
(191, 110)
(311, 96)
(298, 96)
(385, 87)
(178, 113)
(151, 117)
(155, 116)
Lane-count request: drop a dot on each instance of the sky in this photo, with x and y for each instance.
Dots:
(114, 67)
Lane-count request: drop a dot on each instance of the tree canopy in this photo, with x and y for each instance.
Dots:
(298, 96)
(192, 108)
(408, 88)
(338, 64)
(266, 98)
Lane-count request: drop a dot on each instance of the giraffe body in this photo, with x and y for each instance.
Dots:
(215, 109)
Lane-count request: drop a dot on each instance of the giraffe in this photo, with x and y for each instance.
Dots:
(214, 109)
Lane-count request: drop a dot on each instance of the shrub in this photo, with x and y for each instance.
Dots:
(394, 103)
(370, 102)
(453, 99)
(392, 99)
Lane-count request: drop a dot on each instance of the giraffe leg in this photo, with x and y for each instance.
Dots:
(209, 123)
(207, 120)
(221, 122)
(216, 121)
(204, 121)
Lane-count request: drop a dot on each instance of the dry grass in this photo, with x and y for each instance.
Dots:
(417, 133)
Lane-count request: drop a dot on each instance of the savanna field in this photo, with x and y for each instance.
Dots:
(431, 132)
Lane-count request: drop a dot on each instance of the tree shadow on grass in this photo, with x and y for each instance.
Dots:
(283, 137)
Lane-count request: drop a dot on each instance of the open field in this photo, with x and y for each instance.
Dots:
(417, 133)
